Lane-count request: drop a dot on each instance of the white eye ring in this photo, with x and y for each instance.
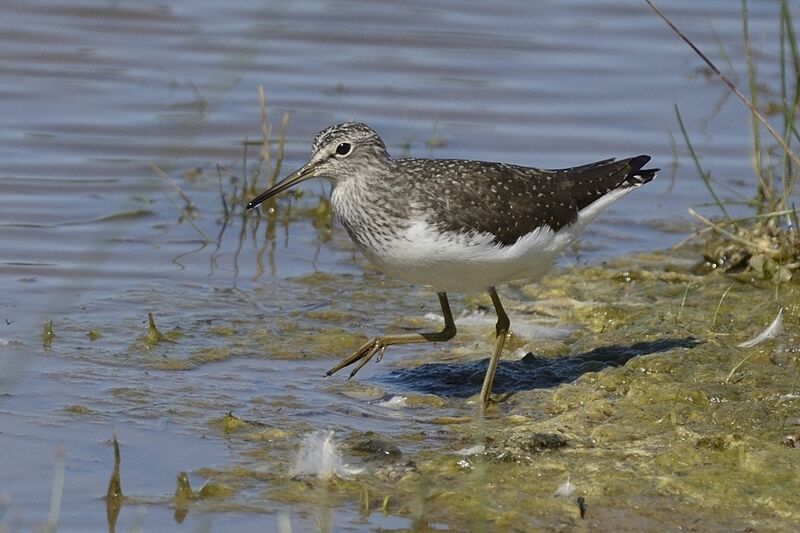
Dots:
(344, 149)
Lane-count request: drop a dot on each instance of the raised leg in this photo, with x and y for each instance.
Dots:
(378, 344)
(501, 329)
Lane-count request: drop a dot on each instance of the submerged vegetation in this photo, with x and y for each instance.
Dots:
(258, 228)
(674, 411)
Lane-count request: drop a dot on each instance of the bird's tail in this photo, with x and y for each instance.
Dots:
(637, 175)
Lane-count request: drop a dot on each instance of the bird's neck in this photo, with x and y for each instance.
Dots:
(369, 209)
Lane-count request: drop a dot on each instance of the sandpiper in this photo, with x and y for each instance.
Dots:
(456, 225)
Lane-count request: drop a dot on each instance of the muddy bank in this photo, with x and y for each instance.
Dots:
(646, 413)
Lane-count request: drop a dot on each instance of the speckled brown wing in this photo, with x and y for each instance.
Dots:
(510, 201)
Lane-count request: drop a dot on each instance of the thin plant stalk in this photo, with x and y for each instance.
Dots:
(265, 133)
(225, 209)
(794, 156)
(719, 306)
(185, 213)
(732, 236)
(764, 190)
(281, 145)
(703, 174)
(789, 109)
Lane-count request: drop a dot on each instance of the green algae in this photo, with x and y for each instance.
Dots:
(154, 336)
(427, 401)
(126, 216)
(216, 491)
(183, 490)
(136, 395)
(332, 341)
(231, 423)
(77, 409)
(355, 389)
(48, 334)
(209, 355)
(114, 495)
(267, 435)
(222, 331)
(645, 422)
(210, 490)
(185, 497)
(373, 446)
(669, 424)
(296, 342)
(650, 433)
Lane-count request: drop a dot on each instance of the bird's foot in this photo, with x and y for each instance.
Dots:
(376, 345)
(486, 402)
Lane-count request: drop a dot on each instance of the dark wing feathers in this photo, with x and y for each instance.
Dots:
(590, 182)
(510, 201)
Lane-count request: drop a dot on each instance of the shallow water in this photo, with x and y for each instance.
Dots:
(94, 94)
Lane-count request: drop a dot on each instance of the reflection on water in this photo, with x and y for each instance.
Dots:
(125, 163)
(114, 492)
(232, 214)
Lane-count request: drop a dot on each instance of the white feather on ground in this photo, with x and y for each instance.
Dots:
(772, 331)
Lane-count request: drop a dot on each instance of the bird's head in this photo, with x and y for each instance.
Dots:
(340, 152)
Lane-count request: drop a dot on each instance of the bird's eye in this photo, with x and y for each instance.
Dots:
(343, 149)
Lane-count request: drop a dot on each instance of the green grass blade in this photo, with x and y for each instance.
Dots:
(703, 174)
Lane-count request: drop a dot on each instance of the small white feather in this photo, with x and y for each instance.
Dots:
(472, 450)
(772, 331)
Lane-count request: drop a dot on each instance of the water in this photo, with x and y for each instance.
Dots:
(94, 94)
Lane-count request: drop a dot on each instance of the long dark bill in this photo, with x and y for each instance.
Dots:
(302, 174)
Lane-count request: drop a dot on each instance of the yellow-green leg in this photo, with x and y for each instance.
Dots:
(501, 328)
(378, 344)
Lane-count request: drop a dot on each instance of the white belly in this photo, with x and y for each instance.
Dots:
(466, 263)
